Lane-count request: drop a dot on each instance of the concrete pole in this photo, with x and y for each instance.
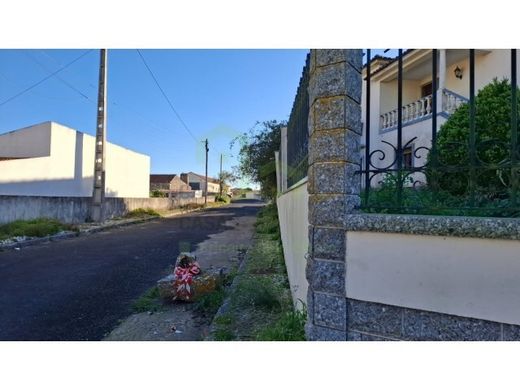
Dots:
(98, 193)
(220, 181)
(206, 182)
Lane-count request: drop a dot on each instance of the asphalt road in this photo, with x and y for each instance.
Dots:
(79, 289)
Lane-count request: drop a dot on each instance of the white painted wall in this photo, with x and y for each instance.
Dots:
(470, 277)
(294, 227)
(17, 143)
(68, 168)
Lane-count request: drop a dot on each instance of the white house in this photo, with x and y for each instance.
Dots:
(198, 182)
(453, 89)
(50, 159)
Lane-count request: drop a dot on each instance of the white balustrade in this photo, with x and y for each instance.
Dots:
(422, 108)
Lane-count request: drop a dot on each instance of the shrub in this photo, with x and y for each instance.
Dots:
(158, 194)
(222, 198)
(493, 133)
(140, 212)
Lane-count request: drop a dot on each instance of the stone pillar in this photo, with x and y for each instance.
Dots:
(334, 188)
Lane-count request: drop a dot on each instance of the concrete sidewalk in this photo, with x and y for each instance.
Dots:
(220, 250)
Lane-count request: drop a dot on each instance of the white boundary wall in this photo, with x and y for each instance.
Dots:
(470, 277)
(294, 228)
(59, 161)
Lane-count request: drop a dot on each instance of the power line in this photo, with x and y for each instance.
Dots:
(65, 82)
(165, 96)
(112, 102)
(44, 79)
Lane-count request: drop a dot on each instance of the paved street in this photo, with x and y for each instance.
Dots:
(79, 289)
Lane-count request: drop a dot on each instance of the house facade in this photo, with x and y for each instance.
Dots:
(50, 159)
(452, 91)
(168, 183)
(198, 182)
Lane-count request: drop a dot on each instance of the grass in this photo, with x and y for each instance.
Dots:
(141, 213)
(290, 327)
(208, 304)
(40, 227)
(149, 301)
(260, 307)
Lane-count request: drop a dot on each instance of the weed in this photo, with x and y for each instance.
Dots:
(149, 301)
(258, 291)
(224, 334)
(40, 227)
(290, 327)
(225, 319)
(208, 304)
(140, 213)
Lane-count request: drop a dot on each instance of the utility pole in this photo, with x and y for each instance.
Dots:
(206, 182)
(98, 193)
(220, 177)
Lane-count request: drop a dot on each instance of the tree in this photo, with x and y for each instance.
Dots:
(450, 169)
(256, 156)
(225, 178)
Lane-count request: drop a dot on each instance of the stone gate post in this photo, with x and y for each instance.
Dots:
(333, 186)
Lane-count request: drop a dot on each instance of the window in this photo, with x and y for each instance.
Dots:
(408, 157)
(426, 89)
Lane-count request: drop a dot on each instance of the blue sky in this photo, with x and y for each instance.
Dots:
(218, 93)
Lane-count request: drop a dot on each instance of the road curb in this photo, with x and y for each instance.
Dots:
(225, 307)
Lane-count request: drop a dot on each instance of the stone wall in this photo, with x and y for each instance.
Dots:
(334, 188)
(77, 209)
(368, 321)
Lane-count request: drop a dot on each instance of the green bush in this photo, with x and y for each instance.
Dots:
(493, 134)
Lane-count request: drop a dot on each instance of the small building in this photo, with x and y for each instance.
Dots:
(168, 183)
(49, 159)
(198, 182)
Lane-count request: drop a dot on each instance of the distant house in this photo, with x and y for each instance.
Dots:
(49, 159)
(197, 182)
(168, 183)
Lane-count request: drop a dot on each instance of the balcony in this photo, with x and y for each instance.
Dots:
(421, 109)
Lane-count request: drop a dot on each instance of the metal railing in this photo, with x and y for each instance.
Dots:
(474, 171)
(298, 132)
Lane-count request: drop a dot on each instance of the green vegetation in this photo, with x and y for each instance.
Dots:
(222, 198)
(40, 227)
(493, 135)
(141, 213)
(260, 307)
(290, 327)
(149, 301)
(157, 194)
(450, 189)
(257, 155)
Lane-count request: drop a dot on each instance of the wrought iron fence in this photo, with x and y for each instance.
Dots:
(470, 166)
(297, 131)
